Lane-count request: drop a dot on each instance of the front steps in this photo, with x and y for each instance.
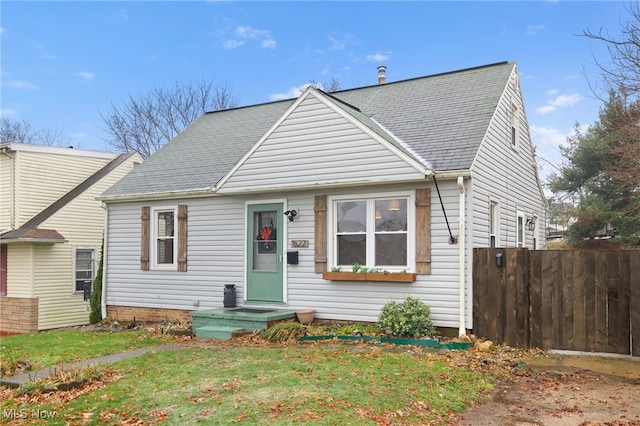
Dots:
(221, 323)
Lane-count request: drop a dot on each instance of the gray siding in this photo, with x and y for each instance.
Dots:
(315, 146)
(216, 257)
(507, 175)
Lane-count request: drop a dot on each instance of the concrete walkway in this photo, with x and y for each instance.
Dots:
(18, 380)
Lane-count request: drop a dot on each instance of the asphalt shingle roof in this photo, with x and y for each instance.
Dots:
(441, 118)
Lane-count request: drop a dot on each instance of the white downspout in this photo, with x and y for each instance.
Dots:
(103, 298)
(462, 330)
(12, 184)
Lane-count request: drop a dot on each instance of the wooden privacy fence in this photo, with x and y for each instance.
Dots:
(581, 300)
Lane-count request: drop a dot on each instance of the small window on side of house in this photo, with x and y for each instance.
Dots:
(84, 267)
(515, 120)
(520, 230)
(493, 223)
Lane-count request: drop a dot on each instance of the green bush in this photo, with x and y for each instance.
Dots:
(96, 292)
(411, 318)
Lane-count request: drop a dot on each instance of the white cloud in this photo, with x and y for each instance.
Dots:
(548, 136)
(1, 30)
(86, 76)
(534, 29)
(546, 109)
(268, 43)
(6, 112)
(559, 102)
(378, 57)
(337, 44)
(232, 44)
(19, 84)
(294, 92)
(120, 14)
(76, 136)
(551, 92)
(566, 100)
(245, 33)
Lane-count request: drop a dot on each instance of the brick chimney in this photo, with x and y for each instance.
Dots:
(382, 74)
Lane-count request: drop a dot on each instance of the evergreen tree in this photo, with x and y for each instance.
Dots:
(602, 172)
(96, 292)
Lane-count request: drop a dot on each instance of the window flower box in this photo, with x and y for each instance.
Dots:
(397, 277)
(343, 276)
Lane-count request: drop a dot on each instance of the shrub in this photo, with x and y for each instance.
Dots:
(410, 318)
(96, 292)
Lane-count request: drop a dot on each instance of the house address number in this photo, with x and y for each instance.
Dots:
(299, 243)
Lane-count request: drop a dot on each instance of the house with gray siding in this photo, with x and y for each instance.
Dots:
(403, 177)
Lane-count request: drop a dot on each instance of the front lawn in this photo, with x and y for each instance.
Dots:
(251, 381)
(48, 348)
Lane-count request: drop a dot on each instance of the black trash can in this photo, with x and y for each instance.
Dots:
(229, 300)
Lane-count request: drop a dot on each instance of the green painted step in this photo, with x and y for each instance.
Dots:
(219, 332)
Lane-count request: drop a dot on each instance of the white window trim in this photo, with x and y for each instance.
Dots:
(370, 198)
(521, 236)
(496, 220)
(153, 234)
(94, 262)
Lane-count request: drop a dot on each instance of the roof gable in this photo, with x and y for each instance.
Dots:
(438, 121)
(321, 141)
(30, 231)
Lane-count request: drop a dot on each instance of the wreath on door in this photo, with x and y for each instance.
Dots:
(267, 237)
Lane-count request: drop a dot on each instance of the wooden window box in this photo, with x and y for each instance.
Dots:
(395, 277)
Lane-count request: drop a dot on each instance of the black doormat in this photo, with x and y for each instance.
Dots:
(251, 310)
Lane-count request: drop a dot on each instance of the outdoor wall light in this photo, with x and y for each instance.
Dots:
(531, 225)
(291, 214)
(499, 260)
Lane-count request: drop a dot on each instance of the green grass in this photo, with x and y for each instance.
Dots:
(46, 349)
(286, 384)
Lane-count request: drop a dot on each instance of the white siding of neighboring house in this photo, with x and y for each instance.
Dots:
(508, 175)
(43, 177)
(19, 270)
(5, 192)
(81, 222)
(216, 256)
(314, 146)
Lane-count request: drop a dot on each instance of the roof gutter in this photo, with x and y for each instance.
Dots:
(452, 174)
(194, 193)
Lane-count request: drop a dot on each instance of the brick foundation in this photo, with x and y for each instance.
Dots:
(19, 314)
(128, 313)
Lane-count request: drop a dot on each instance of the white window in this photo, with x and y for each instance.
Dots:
(520, 230)
(515, 125)
(84, 267)
(376, 232)
(164, 242)
(493, 223)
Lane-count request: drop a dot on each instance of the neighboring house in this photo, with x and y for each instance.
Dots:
(51, 229)
(405, 176)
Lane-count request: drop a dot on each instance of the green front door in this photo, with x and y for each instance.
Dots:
(264, 253)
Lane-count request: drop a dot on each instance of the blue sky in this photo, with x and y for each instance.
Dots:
(62, 63)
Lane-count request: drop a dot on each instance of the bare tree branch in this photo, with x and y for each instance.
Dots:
(23, 132)
(147, 122)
